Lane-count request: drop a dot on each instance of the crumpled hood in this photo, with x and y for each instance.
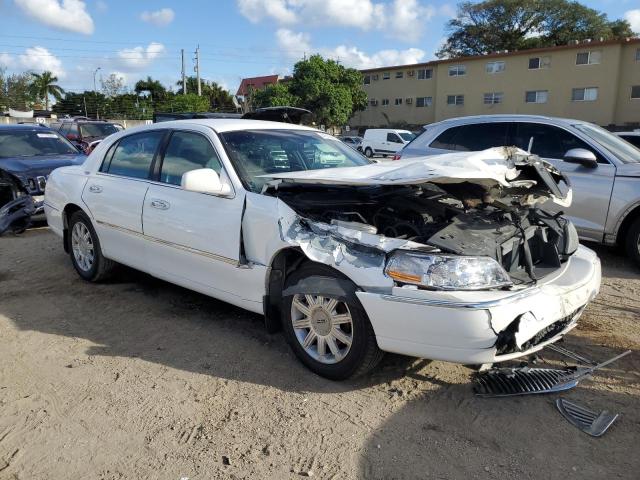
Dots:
(499, 166)
(40, 165)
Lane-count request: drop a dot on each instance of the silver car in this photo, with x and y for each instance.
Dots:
(603, 169)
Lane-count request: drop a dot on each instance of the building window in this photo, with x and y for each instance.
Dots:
(425, 73)
(536, 63)
(424, 101)
(457, 70)
(495, 67)
(455, 99)
(536, 96)
(386, 76)
(635, 92)
(584, 94)
(399, 74)
(588, 58)
(398, 101)
(638, 55)
(493, 98)
(367, 79)
(373, 102)
(385, 102)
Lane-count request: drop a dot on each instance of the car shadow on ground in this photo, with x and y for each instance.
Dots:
(138, 316)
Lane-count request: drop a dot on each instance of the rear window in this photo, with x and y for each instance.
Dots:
(97, 129)
(133, 155)
(472, 138)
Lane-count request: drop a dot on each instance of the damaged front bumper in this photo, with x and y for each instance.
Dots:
(18, 214)
(484, 327)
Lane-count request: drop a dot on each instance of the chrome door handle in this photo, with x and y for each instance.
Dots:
(160, 204)
(95, 189)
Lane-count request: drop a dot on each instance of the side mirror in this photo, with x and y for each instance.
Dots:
(582, 156)
(204, 180)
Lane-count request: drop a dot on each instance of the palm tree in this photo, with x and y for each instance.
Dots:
(154, 87)
(43, 85)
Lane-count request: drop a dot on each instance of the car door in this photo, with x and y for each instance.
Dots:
(591, 186)
(115, 195)
(393, 143)
(193, 238)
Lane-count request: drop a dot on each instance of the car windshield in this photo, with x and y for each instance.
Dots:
(97, 129)
(407, 137)
(262, 152)
(624, 151)
(31, 143)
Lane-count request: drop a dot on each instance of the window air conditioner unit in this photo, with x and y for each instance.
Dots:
(375, 77)
(408, 101)
(374, 103)
(410, 73)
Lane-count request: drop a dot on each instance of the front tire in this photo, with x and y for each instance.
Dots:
(330, 333)
(632, 242)
(84, 250)
(368, 152)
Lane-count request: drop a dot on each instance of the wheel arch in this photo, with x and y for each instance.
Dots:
(629, 217)
(69, 209)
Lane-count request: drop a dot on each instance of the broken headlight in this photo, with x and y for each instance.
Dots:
(446, 272)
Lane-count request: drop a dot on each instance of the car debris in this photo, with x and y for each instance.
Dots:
(590, 422)
(506, 382)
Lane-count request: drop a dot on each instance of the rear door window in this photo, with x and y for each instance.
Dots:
(473, 138)
(134, 154)
(394, 138)
(187, 151)
(548, 141)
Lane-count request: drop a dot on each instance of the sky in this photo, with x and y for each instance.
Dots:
(237, 38)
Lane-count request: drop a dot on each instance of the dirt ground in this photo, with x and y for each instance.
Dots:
(139, 379)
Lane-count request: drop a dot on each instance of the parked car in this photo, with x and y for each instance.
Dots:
(446, 259)
(384, 141)
(632, 137)
(85, 133)
(604, 171)
(28, 154)
(353, 142)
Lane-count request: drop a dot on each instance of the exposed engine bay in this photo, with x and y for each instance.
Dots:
(16, 204)
(464, 217)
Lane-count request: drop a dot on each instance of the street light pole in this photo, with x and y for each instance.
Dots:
(95, 91)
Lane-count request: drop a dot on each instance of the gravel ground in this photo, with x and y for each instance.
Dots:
(137, 379)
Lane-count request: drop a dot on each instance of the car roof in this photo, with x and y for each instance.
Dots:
(222, 125)
(631, 134)
(32, 126)
(508, 118)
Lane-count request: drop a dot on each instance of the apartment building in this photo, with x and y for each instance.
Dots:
(594, 81)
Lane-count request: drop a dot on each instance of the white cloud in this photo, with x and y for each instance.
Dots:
(257, 10)
(140, 57)
(447, 10)
(402, 19)
(633, 17)
(39, 59)
(6, 60)
(295, 45)
(68, 15)
(159, 18)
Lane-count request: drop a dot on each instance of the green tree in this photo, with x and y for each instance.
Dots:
(219, 98)
(16, 91)
(492, 25)
(326, 88)
(190, 102)
(156, 90)
(43, 85)
(277, 95)
(112, 86)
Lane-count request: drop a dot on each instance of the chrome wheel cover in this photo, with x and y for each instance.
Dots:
(82, 246)
(323, 326)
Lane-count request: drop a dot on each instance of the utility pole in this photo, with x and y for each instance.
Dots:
(184, 80)
(198, 70)
(95, 94)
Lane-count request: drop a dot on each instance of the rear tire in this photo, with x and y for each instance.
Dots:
(632, 241)
(340, 340)
(84, 250)
(368, 152)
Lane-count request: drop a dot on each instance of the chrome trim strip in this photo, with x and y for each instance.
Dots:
(456, 304)
(195, 251)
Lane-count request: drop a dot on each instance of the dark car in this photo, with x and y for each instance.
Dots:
(28, 154)
(85, 133)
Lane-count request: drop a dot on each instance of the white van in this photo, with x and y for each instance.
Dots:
(384, 141)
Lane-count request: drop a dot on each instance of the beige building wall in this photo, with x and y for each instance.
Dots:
(613, 73)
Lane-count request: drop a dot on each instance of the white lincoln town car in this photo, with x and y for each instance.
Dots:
(450, 258)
